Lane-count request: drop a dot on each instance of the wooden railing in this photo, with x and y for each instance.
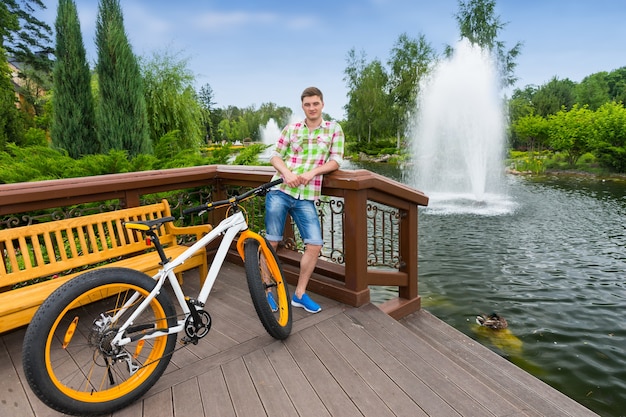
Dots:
(357, 191)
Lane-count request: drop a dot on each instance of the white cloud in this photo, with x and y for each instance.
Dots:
(214, 21)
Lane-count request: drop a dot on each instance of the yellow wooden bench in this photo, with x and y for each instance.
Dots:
(54, 252)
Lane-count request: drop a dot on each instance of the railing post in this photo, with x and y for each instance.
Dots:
(408, 299)
(355, 242)
(408, 252)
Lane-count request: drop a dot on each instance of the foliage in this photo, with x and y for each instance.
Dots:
(171, 102)
(25, 37)
(121, 115)
(532, 131)
(369, 108)
(610, 144)
(374, 148)
(169, 145)
(249, 155)
(572, 132)
(220, 155)
(478, 23)
(235, 129)
(245, 124)
(34, 163)
(554, 96)
(530, 161)
(409, 63)
(593, 90)
(205, 99)
(11, 123)
(35, 136)
(73, 122)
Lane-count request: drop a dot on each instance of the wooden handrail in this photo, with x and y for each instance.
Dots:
(348, 283)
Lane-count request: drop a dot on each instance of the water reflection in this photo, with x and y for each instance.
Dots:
(552, 260)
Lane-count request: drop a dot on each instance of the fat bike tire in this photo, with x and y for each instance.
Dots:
(265, 276)
(68, 358)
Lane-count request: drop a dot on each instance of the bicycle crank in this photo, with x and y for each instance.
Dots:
(197, 326)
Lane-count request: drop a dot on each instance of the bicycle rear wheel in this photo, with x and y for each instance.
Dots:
(265, 279)
(68, 358)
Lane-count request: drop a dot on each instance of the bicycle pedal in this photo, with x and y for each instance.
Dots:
(186, 340)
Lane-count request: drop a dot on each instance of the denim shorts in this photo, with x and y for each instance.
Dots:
(303, 212)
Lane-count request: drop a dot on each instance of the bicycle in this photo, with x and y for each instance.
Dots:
(101, 340)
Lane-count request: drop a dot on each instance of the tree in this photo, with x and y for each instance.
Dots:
(479, 24)
(617, 85)
(121, 115)
(171, 102)
(572, 132)
(532, 131)
(554, 96)
(410, 62)
(610, 144)
(593, 90)
(73, 116)
(11, 126)
(26, 38)
(369, 109)
(205, 98)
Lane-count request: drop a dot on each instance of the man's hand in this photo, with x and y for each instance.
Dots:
(306, 177)
(291, 179)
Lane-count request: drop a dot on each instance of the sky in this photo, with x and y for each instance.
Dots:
(256, 51)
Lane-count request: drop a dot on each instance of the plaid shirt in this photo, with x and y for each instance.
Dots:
(302, 150)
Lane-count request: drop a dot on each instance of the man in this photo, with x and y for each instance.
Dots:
(304, 152)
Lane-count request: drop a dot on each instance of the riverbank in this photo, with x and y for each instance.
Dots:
(571, 173)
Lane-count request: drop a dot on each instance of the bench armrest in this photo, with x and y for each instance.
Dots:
(198, 230)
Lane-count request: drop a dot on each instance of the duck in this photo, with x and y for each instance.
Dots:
(493, 321)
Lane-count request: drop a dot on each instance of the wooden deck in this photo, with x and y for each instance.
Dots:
(342, 361)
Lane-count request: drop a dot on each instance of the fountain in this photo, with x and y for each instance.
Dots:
(459, 134)
(269, 135)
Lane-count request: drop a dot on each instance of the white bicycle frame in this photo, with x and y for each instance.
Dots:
(229, 227)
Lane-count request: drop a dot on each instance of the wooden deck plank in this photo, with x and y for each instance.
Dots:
(301, 393)
(392, 337)
(133, 410)
(216, 400)
(13, 398)
(335, 399)
(241, 387)
(426, 398)
(341, 362)
(269, 387)
(478, 359)
(382, 384)
(481, 393)
(159, 405)
(187, 398)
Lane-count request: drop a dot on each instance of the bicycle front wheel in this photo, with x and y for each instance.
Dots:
(68, 358)
(268, 288)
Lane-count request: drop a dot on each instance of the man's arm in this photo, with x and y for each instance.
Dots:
(329, 166)
(289, 177)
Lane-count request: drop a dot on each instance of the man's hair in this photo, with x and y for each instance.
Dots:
(310, 92)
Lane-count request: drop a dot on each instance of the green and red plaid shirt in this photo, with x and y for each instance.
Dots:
(302, 150)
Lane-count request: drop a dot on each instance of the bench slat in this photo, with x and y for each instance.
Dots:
(66, 247)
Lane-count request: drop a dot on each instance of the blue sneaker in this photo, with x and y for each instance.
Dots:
(272, 302)
(306, 303)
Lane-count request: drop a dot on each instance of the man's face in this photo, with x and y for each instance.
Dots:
(312, 107)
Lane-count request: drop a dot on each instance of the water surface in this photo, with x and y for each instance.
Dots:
(549, 256)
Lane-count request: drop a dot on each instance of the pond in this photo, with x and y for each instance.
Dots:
(551, 259)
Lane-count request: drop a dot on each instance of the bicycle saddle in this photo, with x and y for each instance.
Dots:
(145, 225)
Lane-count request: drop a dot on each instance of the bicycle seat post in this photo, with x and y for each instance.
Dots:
(154, 238)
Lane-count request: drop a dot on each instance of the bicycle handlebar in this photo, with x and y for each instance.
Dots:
(260, 190)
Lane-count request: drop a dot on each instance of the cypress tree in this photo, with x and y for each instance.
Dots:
(73, 114)
(121, 115)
